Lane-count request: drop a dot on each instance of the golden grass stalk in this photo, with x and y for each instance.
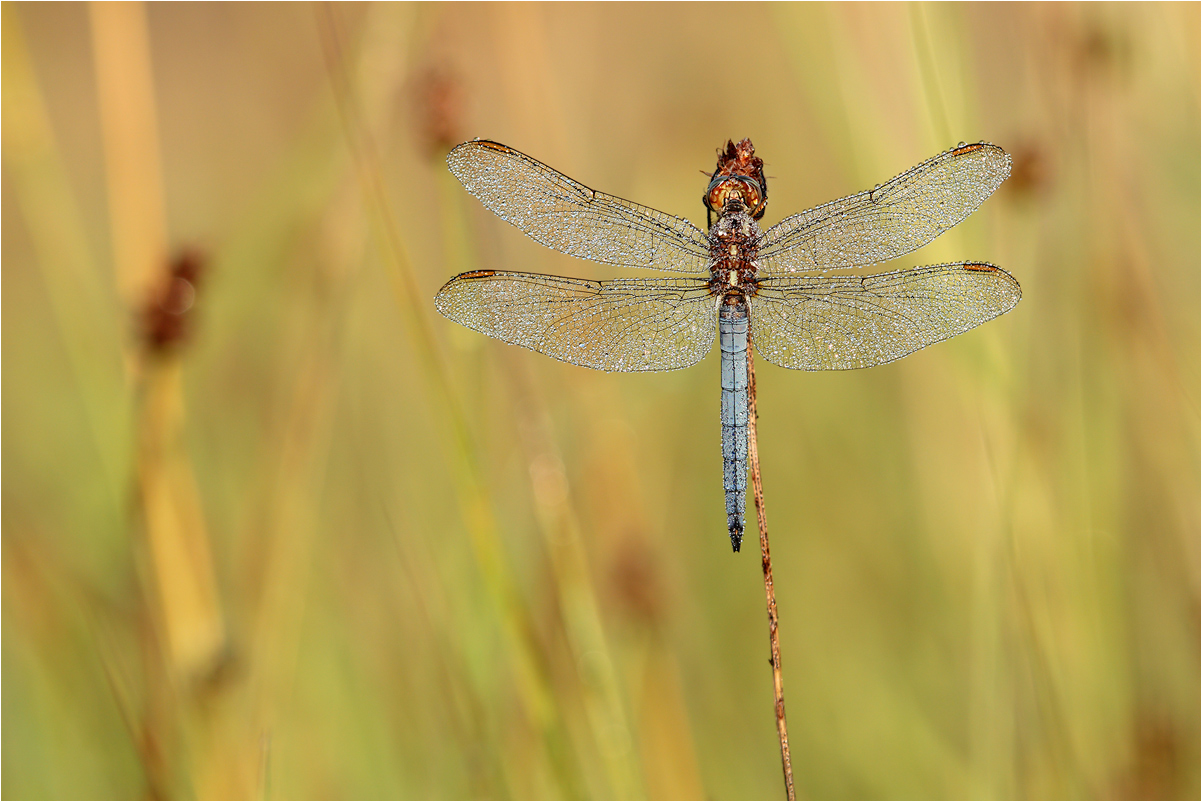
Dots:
(129, 133)
(180, 562)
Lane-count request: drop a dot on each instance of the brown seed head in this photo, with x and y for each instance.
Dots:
(165, 319)
(740, 159)
(439, 102)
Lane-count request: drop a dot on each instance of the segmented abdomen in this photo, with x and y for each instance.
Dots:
(733, 326)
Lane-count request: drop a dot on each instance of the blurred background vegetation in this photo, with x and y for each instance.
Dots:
(308, 539)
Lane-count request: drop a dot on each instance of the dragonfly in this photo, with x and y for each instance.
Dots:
(769, 289)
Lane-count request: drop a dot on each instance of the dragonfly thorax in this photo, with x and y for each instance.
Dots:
(734, 242)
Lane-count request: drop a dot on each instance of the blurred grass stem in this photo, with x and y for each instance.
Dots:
(778, 691)
(185, 600)
(78, 297)
(129, 134)
(474, 504)
(931, 86)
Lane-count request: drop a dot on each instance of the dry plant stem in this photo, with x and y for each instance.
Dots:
(753, 455)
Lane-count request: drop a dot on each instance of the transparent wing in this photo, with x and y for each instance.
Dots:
(845, 322)
(890, 220)
(563, 214)
(619, 325)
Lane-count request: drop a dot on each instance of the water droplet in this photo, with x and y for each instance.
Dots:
(962, 144)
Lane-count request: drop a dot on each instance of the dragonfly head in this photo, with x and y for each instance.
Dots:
(740, 175)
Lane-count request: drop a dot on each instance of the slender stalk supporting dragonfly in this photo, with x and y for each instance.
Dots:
(766, 287)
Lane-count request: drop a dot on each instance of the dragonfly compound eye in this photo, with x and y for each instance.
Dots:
(723, 188)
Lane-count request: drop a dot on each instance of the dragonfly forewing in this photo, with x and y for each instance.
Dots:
(618, 325)
(564, 214)
(846, 322)
(889, 221)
